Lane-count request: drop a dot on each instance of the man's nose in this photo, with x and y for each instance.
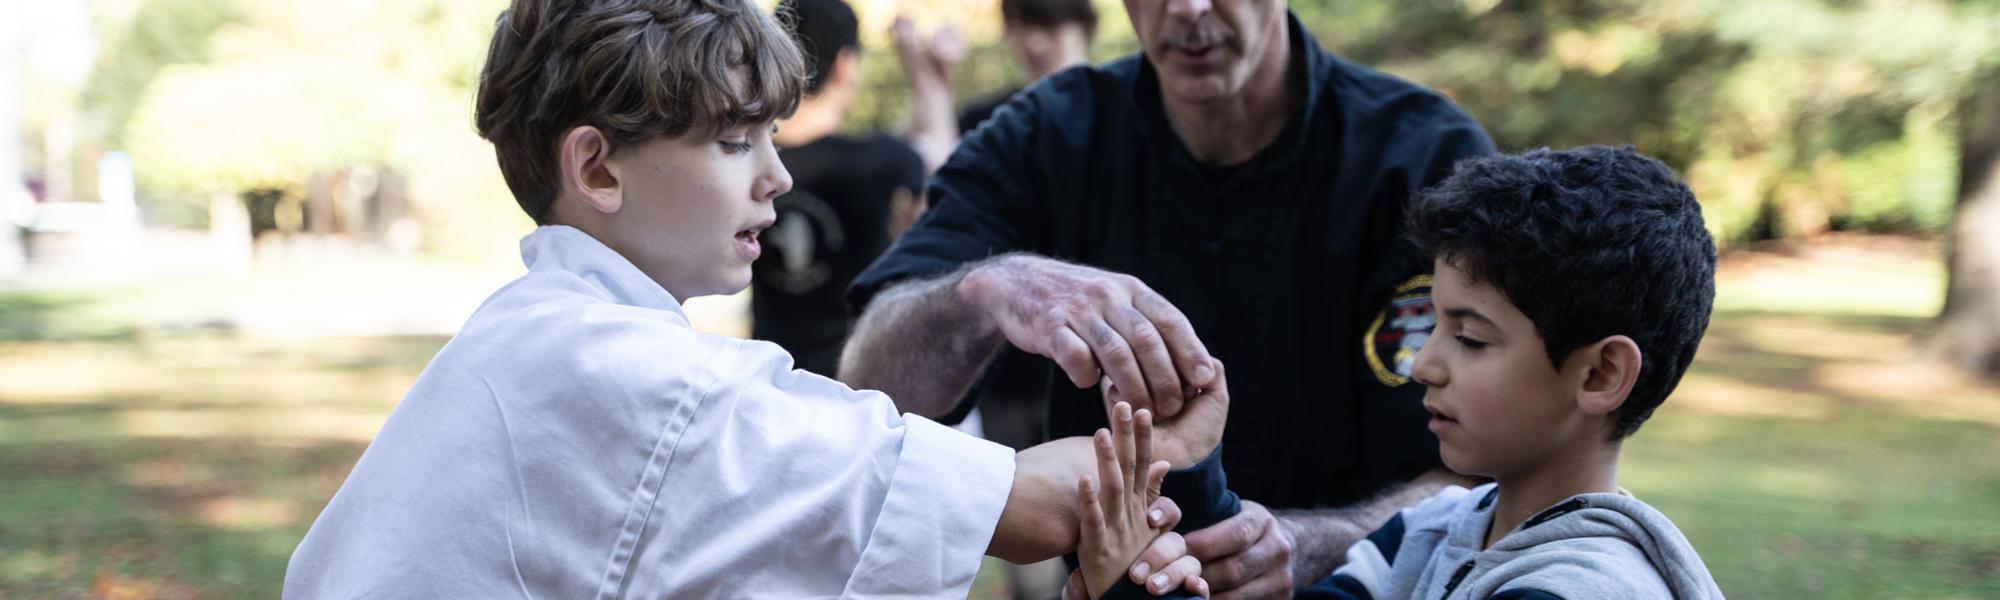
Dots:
(1189, 10)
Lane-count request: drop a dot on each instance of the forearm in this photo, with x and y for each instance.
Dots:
(922, 344)
(933, 129)
(1320, 537)
(1039, 521)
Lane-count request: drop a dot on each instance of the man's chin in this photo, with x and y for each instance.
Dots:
(1199, 89)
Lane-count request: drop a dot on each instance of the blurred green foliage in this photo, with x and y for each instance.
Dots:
(1788, 117)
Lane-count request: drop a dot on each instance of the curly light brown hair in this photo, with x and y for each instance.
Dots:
(634, 69)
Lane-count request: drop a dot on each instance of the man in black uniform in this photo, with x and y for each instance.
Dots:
(850, 197)
(1251, 185)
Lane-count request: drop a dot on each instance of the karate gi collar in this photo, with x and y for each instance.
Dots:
(570, 250)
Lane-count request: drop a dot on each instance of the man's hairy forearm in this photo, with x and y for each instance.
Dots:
(921, 343)
(1321, 536)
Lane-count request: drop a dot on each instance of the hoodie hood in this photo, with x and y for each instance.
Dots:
(1613, 521)
(1588, 546)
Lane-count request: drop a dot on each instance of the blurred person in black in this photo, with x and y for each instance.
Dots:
(1232, 192)
(1046, 36)
(850, 197)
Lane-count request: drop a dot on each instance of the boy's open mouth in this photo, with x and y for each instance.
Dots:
(1439, 420)
(746, 240)
(751, 233)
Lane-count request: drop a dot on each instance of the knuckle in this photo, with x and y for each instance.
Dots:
(1053, 319)
(1145, 336)
(1072, 356)
(1097, 289)
(1115, 351)
(1232, 571)
(1248, 530)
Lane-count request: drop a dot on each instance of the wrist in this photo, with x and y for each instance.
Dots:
(973, 289)
(1202, 491)
(1098, 580)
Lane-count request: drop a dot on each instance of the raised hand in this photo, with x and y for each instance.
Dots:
(1115, 528)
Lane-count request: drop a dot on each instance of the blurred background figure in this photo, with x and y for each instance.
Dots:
(1044, 36)
(930, 65)
(850, 197)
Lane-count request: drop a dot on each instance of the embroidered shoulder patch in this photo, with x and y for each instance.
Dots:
(1399, 331)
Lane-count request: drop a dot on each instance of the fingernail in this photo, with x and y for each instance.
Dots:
(1160, 581)
(1203, 373)
(1140, 569)
(1155, 518)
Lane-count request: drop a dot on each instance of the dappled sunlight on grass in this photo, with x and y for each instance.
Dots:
(276, 422)
(1919, 390)
(1731, 397)
(1810, 452)
(214, 370)
(1838, 275)
(180, 466)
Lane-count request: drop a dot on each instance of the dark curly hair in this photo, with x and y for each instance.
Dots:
(1588, 243)
(636, 69)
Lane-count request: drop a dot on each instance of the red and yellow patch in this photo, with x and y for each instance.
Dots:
(1399, 331)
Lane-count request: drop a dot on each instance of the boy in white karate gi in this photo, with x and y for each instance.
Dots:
(578, 438)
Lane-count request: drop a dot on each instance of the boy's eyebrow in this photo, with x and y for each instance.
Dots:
(1467, 313)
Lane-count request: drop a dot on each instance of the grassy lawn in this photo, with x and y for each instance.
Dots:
(1807, 455)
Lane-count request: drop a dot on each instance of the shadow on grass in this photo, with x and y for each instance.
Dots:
(159, 518)
(37, 316)
(180, 466)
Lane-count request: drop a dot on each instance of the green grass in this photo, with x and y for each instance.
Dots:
(1805, 455)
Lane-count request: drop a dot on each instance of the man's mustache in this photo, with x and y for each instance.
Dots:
(1201, 34)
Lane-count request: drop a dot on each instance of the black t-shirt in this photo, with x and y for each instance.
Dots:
(833, 222)
(970, 118)
(1292, 265)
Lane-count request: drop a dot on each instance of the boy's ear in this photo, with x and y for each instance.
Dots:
(1611, 367)
(587, 171)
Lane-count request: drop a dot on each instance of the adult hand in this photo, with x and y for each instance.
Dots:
(1193, 434)
(1094, 323)
(1245, 556)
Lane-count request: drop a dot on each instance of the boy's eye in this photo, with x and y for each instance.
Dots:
(1470, 343)
(734, 147)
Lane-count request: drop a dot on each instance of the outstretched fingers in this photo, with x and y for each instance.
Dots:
(1090, 516)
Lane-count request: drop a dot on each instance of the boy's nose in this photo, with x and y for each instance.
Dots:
(1425, 369)
(776, 181)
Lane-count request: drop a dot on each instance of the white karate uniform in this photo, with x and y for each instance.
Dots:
(579, 439)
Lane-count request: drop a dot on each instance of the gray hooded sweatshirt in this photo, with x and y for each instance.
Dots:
(1589, 546)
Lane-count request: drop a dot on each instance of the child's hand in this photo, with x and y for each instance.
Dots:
(1114, 504)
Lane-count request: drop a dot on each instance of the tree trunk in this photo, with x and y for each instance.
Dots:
(1968, 329)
